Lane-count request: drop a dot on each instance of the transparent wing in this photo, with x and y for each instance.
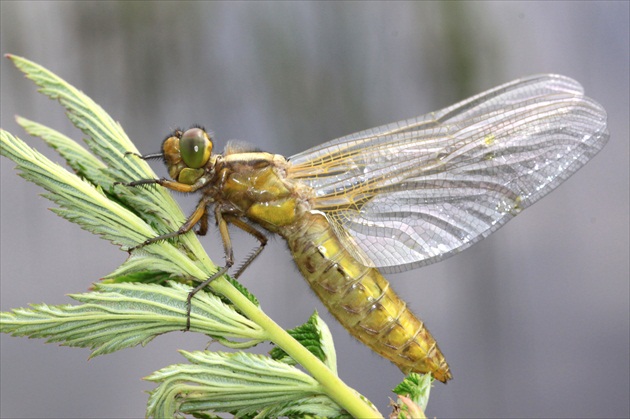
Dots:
(414, 192)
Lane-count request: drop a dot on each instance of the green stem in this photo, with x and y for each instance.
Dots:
(331, 384)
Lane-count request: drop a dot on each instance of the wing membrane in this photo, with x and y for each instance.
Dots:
(416, 191)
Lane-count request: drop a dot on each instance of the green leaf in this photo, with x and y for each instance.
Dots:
(417, 387)
(147, 277)
(121, 314)
(237, 383)
(88, 206)
(83, 163)
(241, 288)
(143, 267)
(107, 140)
(117, 316)
(326, 343)
(101, 216)
(315, 336)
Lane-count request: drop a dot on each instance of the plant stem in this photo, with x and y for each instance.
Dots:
(331, 384)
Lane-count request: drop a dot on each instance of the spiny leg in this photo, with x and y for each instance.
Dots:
(229, 261)
(203, 225)
(169, 184)
(146, 156)
(222, 222)
(197, 215)
(262, 239)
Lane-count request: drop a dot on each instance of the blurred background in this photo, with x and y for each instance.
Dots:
(533, 320)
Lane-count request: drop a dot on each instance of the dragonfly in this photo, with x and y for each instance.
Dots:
(390, 198)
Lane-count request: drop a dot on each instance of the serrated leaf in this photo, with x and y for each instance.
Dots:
(101, 215)
(84, 164)
(107, 139)
(241, 288)
(86, 205)
(311, 407)
(237, 383)
(326, 343)
(106, 209)
(147, 277)
(117, 316)
(139, 264)
(405, 408)
(315, 336)
(417, 387)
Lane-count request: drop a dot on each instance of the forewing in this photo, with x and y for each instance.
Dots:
(414, 192)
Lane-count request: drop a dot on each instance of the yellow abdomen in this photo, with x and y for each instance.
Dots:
(361, 299)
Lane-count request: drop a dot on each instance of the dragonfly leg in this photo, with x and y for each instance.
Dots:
(222, 222)
(200, 213)
(262, 239)
(169, 184)
(203, 225)
(146, 156)
(229, 261)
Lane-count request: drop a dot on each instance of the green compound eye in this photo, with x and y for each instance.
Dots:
(195, 147)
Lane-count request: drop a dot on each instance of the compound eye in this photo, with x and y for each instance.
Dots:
(195, 147)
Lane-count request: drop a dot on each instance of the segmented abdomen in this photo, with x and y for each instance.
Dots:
(361, 299)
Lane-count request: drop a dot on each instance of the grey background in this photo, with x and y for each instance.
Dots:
(533, 320)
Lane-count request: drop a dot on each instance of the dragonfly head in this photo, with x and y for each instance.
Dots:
(187, 153)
